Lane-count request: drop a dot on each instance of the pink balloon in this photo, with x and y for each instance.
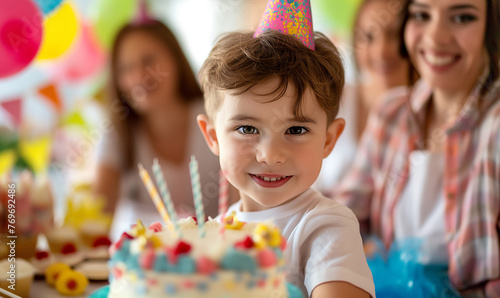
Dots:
(20, 34)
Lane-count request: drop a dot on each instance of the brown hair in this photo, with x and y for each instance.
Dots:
(239, 61)
(491, 40)
(356, 38)
(123, 115)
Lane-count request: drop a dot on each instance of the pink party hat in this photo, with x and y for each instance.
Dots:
(291, 17)
(142, 16)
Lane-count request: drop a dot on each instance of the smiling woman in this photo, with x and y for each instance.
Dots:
(429, 162)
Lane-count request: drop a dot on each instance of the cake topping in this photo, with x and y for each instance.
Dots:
(266, 258)
(238, 261)
(181, 248)
(185, 265)
(247, 243)
(126, 236)
(259, 245)
(266, 235)
(147, 259)
(205, 265)
(156, 227)
(232, 222)
(138, 229)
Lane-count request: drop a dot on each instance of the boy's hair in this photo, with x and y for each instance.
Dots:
(239, 61)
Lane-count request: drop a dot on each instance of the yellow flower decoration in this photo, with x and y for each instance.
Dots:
(53, 272)
(139, 229)
(232, 222)
(266, 235)
(155, 241)
(71, 283)
(142, 241)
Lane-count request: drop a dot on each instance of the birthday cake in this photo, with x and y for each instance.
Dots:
(243, 260)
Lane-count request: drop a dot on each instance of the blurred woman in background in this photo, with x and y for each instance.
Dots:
(153, 108)
(428, 167)
(380, 67)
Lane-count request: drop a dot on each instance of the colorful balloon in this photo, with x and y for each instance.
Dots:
(60, 31)
(110, 16)
(81, 61)
(47, 6)
(20, 34)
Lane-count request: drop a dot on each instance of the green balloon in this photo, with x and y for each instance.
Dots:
(340, 14)
(110, 16)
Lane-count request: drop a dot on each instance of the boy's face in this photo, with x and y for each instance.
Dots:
(265, 152)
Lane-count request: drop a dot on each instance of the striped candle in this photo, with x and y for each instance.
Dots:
(165, 194)
(153, 193)
(198, 199)
(223, 198)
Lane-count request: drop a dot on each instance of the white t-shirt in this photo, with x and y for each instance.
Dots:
(323, 241)
(420, 211)
(135, 203)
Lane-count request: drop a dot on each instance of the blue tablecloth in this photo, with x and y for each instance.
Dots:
(398, 273)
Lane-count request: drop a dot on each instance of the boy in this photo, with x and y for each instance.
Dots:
(271, 104)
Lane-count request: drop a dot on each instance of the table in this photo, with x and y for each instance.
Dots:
(40, 289)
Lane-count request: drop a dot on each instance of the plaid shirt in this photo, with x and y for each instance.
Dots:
(471, 179)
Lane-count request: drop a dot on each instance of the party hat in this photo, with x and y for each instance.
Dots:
(142, 16)
(291, 17)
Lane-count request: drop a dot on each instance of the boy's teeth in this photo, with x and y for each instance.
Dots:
(270, 179)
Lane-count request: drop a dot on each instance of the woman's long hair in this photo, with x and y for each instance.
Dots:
(122, 115)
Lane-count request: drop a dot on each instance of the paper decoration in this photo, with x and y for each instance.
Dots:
(36, 153)
(289, 17)
(14, 108)
(50, 93)
(7, 160)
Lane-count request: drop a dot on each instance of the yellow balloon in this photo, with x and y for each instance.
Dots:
(7, 159)
(36, 153)
(59, 32)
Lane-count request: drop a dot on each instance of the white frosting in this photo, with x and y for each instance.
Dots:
(212, 245)
(228, 284)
